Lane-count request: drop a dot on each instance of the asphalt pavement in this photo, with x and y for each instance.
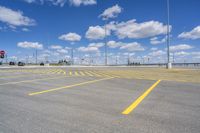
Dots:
(87, 100)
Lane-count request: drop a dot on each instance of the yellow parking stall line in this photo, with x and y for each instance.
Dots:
(64, 72)
(70, 73)
(76, 73)
(53, 71)
(89, 74)
(59, 71)
(82, 74)
(140, 99)
(95, 74)
(69, 86)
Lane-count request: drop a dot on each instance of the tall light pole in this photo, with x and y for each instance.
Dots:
(169, 65)
(36, 56)
(106, 54)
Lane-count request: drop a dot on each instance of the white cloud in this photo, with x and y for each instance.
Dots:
(155, 40)
(153, 49)
(82, 2)
(131, 29)
(114, 44)
(63, 2)
(30, 1)
(55, 47)
(26, 44)
(181, 53)
(111, 12)
(96, 32)
(70, 37)
(25, 29)
(180, 47)
(15, 18)
(98, 45)
(157, 53)
(62, 51)
(193, 34)
(134, 46)
(88, 49)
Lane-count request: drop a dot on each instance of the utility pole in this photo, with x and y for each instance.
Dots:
(169, 65)
(36, 56)
(72, 56)
(106, 54)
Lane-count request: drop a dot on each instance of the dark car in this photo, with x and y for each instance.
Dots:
(0, 63)
(21, 63)
(11, 63)
(42, 64)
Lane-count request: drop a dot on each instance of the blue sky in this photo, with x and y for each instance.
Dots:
(134, 27)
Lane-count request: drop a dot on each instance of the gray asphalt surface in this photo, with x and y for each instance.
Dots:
(95, 107)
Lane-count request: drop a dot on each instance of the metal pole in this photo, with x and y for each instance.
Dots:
(36, 56)
(106, 56)
(168, 38)
(72, 56)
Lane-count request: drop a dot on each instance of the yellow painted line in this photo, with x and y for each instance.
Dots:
(95, 74)
(26, 81)
(69, 86)
(140, 99)
(76, 73)
(87, 73)
(70, 73)
(82, 74)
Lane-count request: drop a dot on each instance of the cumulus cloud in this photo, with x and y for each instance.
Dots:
(63, 2)
(62, 51)
(134, 30)
(180, 47)
(193, 34)
(88, 49)
(82, 2)
(153, 49)
(55, 47)
(155, 40)
(72, 37)
(96, 32)
(25, 29)
(114, 44)
(111, 12)
(98, 45)
(14, 18)
(157, 53)
(134, 46)
(26, 44)
(181, 53)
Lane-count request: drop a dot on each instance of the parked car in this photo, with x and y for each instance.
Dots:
(11, 63)
(21, 63)
(42, 64)
(0, 63)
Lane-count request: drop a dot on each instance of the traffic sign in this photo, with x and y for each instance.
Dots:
(2, 52)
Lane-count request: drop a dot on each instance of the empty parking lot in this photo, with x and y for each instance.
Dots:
(99, 99)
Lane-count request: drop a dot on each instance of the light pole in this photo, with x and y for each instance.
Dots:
(169, 65)
(36, 56)
(106, 54)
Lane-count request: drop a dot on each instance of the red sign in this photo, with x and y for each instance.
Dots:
(2, 52)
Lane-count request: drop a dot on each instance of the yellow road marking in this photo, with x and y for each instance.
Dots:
(88, 73)
(139, 100)
(70, 73)
(69, 86)
(76, 73)
(82, 74)
(25, 81)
